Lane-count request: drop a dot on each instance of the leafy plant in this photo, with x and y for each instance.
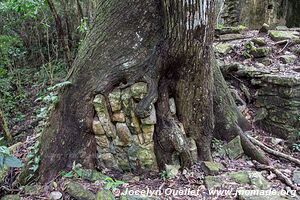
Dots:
(6, 159)
(296, 147)
(111, 184)
(164, 175)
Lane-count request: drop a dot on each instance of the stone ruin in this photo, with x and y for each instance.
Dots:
(254, 13)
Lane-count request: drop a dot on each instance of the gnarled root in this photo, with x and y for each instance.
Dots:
(169, 137)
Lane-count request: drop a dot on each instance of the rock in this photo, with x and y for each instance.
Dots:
(97, 127)
(240, 177)
(193, 149)
(258, 180)
(115, 100)
(78, 192)
(92, 175)
(108, 160)
(123, 133)
(172, 170)
(172, 106)
(283, 35)
(296, 176)
(103, 115)
(264, 29)
(151, 119)
(223, 48)
(259, 41)
(234, 148)
(11, 197)
(118, 117)
(229, 37)
(105, 195)
(102, 141)
(211, 168)
(260, 52)
(212, 182)
(139, 90)
(142, 157)
(55, 195)
(288, 59)
(148, 131)
(282, 28)
(135, 123)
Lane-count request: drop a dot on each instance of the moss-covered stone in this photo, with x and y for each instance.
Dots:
(105, 195)
(212, 168)
(260, 52)
(212, 182)
(283, 35)
(234, 148)
(241, 177)
(223, 48)
(78, 192)
(287, 59)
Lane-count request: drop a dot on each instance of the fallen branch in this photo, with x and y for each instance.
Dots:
(279, 175)
(273, 152)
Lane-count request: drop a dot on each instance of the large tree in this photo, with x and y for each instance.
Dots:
(168, 45)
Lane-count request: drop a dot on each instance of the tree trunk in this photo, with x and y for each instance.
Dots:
(61, 36)
(4, 127)
(168, 45)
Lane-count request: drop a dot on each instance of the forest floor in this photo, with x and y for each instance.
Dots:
(229, 175)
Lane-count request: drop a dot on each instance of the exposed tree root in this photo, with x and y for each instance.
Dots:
(273, 152)
(251, 150)
(170, 139)
(279, 174)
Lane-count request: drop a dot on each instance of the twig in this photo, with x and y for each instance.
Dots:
(285, 46)
(279, 175)
(273, 152)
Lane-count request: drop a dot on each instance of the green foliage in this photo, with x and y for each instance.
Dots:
(6, 159)
(296, 147)
(25, 8)
(111, 184)
(164, 175)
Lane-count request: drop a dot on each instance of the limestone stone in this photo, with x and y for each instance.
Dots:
(105, 195)
(141, 157)
(148, 131)
(97, 127)
(135, 123)
(123, 133)
(151, 119)
(172, 170)
(234, 148)
(103, 115)
(259, 41)
(139, 90)
(265, 28)
(258, 180)
(260, 52)
(108, 160)
(212, 182)
(115, 100)
(102, 141)
(283, 35)
(77, 191)
(172, 106)
(55, 195)
(240, 177)
(223, 48)
(211, 168)
(229, 37)
(118, 117)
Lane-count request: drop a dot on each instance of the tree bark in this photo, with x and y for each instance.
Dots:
(167, 44)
